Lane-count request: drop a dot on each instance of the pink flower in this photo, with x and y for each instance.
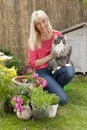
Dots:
(35, 75)
(14, 98)
(19, 101)
(18, 104)
(29, 70)
(44, 84)
(19, 107)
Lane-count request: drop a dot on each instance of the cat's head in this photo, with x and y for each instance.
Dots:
(60, 47)
(59, 39)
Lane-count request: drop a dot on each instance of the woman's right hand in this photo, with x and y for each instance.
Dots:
(51, 56)
(44, 59)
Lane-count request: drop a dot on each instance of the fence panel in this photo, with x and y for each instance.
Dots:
(15, 20)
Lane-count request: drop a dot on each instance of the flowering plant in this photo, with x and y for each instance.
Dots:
(18, 103)
(7, 88)
(7, 72)
(33, 78)
(28, 76)
(23, 96)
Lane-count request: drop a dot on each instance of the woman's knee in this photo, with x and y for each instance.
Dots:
(70, 72)
(63, 100)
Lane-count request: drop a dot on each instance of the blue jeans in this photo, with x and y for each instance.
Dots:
(57, 81)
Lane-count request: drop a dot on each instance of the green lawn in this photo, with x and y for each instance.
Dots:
(72, 116)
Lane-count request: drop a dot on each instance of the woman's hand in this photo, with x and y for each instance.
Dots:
(44, 59)
(51, 56)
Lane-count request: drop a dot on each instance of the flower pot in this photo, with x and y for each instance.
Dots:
(18, 80)
(51, 112)
(38, 115)
(25, 114)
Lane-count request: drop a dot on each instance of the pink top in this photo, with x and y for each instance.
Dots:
(40, 53)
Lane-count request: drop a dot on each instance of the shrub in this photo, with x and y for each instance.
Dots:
(5, 51)
(6, 86)
(14, 62)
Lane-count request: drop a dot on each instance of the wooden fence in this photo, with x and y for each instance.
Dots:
(15, 19)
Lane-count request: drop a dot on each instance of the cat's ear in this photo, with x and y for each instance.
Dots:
(65, 37)
(55, 37)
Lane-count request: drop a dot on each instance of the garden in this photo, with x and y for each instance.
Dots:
(23, 103)
(71, 116)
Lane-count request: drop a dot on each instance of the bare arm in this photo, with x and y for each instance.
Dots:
(44, 59)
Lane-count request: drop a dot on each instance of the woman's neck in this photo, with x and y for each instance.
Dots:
(46, 36)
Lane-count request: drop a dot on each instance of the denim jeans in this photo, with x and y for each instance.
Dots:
(57, 81)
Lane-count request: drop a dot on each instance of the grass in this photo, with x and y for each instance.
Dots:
(72, 116)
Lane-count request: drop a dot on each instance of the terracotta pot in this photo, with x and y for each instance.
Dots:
(18, 80)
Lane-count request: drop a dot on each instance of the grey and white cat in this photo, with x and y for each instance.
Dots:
(62, 52)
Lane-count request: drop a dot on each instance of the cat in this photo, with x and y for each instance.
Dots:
(61, 51)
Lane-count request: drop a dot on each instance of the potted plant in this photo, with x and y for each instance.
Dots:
(21, 101)
(7, 88)
(41, 102)
(54, 101)
(31, 79)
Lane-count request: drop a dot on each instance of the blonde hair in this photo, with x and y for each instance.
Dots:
(34, 39)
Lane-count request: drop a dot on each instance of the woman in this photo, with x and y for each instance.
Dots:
(39, 53)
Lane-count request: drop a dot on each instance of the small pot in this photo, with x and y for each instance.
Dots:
(51, 112)
(38, 115)
(25, 114)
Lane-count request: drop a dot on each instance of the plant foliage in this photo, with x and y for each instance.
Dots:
(7, 88)
(42, 99)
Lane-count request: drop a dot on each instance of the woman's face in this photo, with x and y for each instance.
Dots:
(41, 25)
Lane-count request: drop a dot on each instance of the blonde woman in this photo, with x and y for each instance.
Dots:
(39, 53)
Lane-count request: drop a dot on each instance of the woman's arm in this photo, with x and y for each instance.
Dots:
(34, 61)
(43, 60)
